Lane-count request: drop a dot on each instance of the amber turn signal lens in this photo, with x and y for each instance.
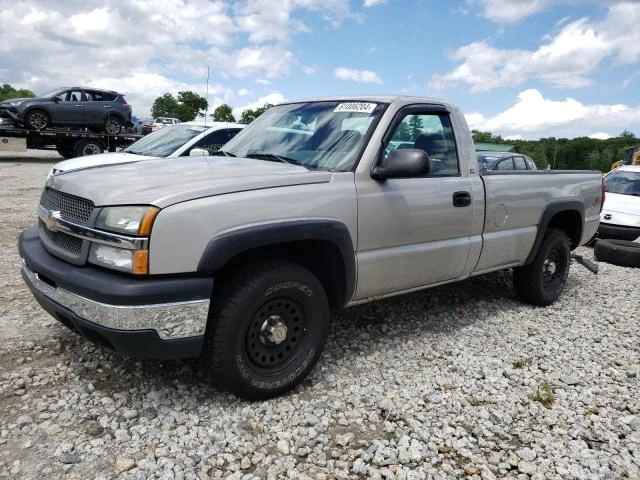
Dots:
(140, 262)
(147, 221)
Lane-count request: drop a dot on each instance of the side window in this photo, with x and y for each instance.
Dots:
(432, 133)
(519, 163)
(529, 163)
(74, 96)
(97, 96)
(213, 142)
(233, 132)
(506, 164)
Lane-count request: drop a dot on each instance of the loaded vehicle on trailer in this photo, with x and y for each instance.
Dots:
(78, 107)
(239, 257)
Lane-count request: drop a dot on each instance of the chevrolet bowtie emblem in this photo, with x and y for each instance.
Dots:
(50, 220)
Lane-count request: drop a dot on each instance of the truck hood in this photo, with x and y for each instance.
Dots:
(162, 183)
(102, 159)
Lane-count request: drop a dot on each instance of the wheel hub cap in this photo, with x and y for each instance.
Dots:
(273, 331)
(550, 267)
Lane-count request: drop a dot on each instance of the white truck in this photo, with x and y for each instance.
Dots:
(240, 256)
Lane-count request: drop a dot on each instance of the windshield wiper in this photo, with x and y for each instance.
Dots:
(271, 157)
(221, 153)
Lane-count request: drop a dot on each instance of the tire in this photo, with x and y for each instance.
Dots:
(113, 125)
(37, 119)
(618, 252)
(541, 282)
(88, 147)
(247, 348)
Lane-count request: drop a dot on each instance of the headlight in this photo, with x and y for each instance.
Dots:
(131, 220)
(134, 220)
(130, 261)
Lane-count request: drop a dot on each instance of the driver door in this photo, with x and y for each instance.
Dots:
(414, 232)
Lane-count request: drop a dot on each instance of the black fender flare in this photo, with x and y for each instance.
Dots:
(550, 210)
(228, 245)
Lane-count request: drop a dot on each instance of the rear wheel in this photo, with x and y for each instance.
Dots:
(268, 328)
(541, 282)
(113, 125)
(88, 147)
(37, 120)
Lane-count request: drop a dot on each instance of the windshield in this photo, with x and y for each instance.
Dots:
(623, 182)
(165, 141)
(52, 93)
(317, 135)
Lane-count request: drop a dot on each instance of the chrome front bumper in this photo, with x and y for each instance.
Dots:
(170, 320)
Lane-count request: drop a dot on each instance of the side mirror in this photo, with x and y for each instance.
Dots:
(198, 152)
(403, 163)
(55, 99)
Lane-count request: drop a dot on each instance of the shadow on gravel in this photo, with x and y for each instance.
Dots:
(419, 316)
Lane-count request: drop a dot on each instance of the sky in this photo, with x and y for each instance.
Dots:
(518, 68)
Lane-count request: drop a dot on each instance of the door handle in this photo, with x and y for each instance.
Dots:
(80, 106)
(461, 199)
(105, 106)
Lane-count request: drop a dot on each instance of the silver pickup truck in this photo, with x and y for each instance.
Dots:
(319, 204)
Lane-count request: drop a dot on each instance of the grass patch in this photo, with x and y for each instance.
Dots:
(519, 363)
(544, 395)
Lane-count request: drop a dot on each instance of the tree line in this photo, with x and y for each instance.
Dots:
(188, 106)
(580, 153)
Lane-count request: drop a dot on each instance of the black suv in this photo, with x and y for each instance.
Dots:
(71, 107)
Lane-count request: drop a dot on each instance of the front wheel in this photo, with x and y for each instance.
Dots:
(88, 147)
(268, 328)
(37, 120)
(541, 282)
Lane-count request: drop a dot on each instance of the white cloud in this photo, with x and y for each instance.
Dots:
(309, 70)
(263, 81)
(243, 92)
(371, 3)
(273, 98)
(515, 10)
(534, 116)
(565, 60)
(364, 76)
(168, 43)
(600, 135)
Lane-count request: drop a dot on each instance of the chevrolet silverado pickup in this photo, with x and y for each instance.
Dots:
(238, 257)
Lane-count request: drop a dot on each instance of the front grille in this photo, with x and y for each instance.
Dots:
(71, 208)
(66, 242)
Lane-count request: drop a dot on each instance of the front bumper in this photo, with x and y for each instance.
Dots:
(9, 112)
(142, 317)
(607, 230)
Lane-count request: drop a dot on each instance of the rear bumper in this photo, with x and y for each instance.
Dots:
(607, 230)
(142, 317)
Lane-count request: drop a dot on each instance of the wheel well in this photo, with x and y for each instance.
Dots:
(570, 222)
(321, 257)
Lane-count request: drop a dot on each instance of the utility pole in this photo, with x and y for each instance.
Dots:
(206, 97)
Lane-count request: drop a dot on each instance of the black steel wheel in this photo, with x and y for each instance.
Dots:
(37, 120)
(541, 282)
(88, 147)
(267, 328)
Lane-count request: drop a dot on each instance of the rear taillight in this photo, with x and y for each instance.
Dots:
(126, 105)
(604, 193)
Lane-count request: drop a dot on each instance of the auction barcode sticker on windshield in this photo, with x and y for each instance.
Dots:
(356, 107)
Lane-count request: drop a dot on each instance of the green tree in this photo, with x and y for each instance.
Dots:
(403, 133)
(250, 115)
(186, 107)
(223, 113)
(415, 126)
(7, 92)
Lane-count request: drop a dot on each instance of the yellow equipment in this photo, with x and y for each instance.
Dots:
(631, 157)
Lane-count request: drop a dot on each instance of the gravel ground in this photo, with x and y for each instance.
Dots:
(460, 381)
